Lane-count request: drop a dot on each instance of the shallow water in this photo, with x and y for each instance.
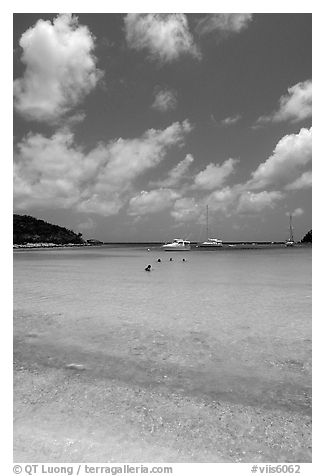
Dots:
(231, 325)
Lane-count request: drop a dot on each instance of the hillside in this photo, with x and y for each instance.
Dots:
(307, 238)
(27, 229)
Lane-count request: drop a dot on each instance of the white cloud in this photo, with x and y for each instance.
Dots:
(153, 201)
(105, 204)
(186, 209)
(130, 157)
(229, 121)
(296, 213)
(291, 154)
(53, 172)
(250, 202)
(60, 68)
(282, 169)
(230, 201)
(214, 175)
(304, 181)
(177, 174)
(225, 199)
(165, 100)
(73, 120)
(295, 106)
(239, 200)
(165, 37)
(47, 171)
(223, 23)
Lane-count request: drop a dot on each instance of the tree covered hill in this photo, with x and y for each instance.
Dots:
(307, 238)
(27, 229)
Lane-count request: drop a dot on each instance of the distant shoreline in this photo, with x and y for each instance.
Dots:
(226, 245)
(49, 245)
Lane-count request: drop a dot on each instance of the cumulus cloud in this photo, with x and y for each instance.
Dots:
(55, 172)
(131, 157)
(223, 24)
(304, 181)
(60, 68)
(229, 121)
(186, 209)
(224, 200)
(151, 202)
(230, 201)
(214, 175)
(296, 213)
(292, 153)
(104, 203)
(177, 174)
(294, 106)
(250, 202)
(166, 37)
(47, 170)
(165, 100)
(238, 199)
(282, 171)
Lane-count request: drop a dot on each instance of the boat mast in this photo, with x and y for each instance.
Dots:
(290, 228)
(207, 222)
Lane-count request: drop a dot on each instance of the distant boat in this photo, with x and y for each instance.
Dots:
(209, 242)
(290, 241)
(177, 245)
(94, 242)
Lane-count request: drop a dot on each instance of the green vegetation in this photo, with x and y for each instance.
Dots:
(307, 238)
(27, 229)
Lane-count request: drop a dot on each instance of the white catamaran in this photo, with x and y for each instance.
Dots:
(209, 242)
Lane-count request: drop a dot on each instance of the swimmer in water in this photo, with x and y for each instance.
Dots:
(148, 268)
(170, 259)
(184, 259)
(159, 260)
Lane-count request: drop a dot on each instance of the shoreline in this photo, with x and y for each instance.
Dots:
(50, 245)
(226, 245)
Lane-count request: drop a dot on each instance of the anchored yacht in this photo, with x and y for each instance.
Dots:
(177, 245)
(209, 242)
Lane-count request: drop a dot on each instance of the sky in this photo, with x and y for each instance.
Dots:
(126, 126)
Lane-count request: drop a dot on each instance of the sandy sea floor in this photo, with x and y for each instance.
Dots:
(134, 407)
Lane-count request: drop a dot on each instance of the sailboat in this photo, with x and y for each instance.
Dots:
(209, 242)
(290, 241)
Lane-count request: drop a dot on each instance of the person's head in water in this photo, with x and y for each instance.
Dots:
(170, 259)
(148, 268)
(184, 259)
(159, 260)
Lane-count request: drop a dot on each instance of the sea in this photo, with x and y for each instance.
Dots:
(229, 324)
